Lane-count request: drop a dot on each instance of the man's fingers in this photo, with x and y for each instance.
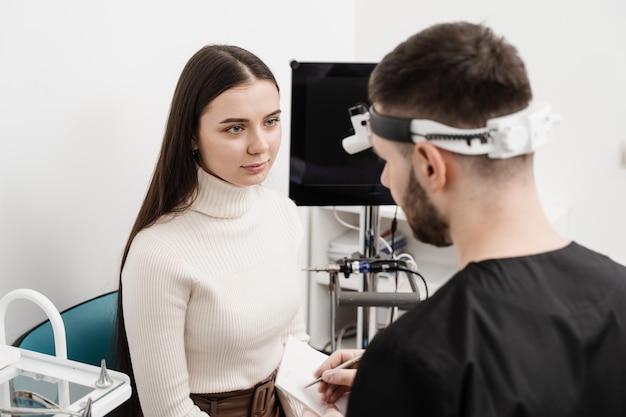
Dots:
(339, 377)
(337, 358)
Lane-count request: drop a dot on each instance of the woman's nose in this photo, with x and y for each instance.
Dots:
(259, 141)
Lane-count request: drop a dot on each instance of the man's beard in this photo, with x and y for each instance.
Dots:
(426, 222)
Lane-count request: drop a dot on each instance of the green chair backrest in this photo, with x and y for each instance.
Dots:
(89, 328)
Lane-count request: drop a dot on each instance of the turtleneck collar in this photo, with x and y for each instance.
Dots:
(221, 199)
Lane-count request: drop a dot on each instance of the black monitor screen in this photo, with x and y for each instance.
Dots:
(321, 172)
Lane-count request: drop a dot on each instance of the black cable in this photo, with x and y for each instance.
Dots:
(394, 227)
(409, 270)
(400, 267)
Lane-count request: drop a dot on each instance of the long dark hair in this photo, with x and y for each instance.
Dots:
(210, 71)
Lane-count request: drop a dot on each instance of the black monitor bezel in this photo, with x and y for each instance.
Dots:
(303, 193)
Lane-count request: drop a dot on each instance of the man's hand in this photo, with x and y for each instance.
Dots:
(336, 382)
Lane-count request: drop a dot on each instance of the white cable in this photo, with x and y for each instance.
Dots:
(344, 223)
(342, 332)
(410, 260)
(413, 265)
(353, 227)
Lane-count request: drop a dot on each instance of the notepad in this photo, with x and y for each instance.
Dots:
(297, 368)
(8, 355)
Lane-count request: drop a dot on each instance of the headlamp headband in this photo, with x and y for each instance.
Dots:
(503, 137)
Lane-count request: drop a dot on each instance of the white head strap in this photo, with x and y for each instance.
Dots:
(503, 137)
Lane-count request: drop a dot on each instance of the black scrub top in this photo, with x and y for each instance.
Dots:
(541, 335)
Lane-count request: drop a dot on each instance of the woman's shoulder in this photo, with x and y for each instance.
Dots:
(160, 232)
(276, 198)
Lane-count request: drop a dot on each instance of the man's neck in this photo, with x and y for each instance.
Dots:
(507, 224)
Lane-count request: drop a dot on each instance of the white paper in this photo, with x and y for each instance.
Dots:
(296, 370)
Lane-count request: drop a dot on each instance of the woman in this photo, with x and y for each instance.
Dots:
(208, 283)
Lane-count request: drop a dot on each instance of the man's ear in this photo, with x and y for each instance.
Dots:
(430, 165)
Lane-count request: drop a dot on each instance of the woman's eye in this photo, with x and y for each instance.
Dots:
(272, 121)
(235, 129)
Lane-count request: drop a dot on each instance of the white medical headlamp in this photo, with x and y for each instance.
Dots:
(503, 137)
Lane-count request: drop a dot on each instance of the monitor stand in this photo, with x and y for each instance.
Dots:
(369, 233)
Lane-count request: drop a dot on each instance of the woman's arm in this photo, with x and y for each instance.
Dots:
(155, 297)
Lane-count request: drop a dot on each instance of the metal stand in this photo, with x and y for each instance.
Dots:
(333, 285)
(368, 298)
(370, 233)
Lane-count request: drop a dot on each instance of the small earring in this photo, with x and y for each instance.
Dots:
(194, 152)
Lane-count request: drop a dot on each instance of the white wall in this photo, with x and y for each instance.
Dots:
(85, 89)
(575, 55)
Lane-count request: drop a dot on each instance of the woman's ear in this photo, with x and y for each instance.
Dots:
(430, 164)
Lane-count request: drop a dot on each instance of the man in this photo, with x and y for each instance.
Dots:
(532, 324)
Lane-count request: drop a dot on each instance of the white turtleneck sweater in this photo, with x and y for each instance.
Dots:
(211, 294)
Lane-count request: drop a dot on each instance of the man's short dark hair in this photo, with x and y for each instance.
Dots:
(460, 74)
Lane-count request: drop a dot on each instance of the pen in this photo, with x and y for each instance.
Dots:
(345, 364)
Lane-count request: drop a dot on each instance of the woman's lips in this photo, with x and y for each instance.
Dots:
(255, 168)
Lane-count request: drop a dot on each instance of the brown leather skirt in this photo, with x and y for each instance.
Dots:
(258, 401)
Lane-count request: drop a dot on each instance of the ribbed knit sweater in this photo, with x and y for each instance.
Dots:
(211, 294)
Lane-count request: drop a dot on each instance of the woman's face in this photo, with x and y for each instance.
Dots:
(240, 133)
